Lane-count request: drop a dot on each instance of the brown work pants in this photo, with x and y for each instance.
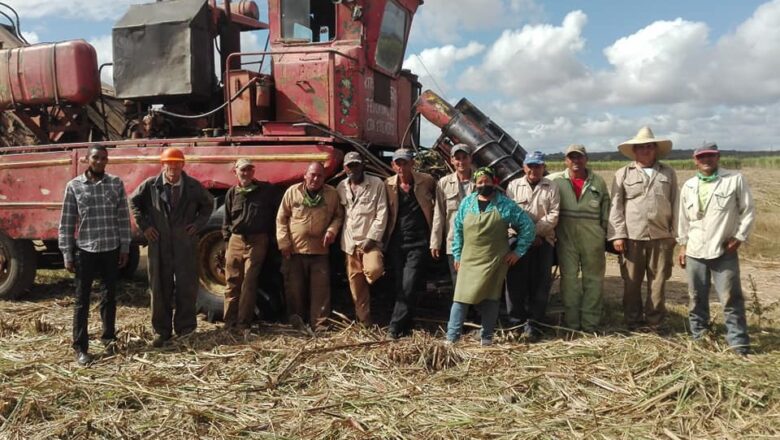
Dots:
(244, 259)
(363, 269)
(654, 259)
(307, 287)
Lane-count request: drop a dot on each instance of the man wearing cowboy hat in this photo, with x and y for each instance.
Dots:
(716, 216)
(642, 226)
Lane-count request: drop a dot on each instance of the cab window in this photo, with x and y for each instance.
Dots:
(309, 21)
(392, 37)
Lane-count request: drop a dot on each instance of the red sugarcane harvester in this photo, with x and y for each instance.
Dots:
(330, 80)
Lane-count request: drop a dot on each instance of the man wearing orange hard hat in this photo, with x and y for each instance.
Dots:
(170, 209)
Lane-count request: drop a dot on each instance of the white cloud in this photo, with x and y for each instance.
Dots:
(105, 54)
(83, 9)
(534, 58)
(670, 75)
(443, 21)
(31, 37)
(656, 64)
(433, 65)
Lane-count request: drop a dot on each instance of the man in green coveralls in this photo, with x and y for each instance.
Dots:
(581, 231)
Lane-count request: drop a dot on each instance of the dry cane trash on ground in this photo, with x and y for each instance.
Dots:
(351, 383)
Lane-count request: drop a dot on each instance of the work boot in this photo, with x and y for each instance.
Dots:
(83, 358)
(159, 341)
(110, 347)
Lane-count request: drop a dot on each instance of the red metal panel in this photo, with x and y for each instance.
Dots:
(380, 123)
(303, 87)
(32, 185)
(46, 74)
(348, 95)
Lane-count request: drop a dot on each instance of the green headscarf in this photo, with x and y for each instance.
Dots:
(484, 171)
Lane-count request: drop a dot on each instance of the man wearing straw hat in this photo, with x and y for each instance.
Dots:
(582, 233)
(170, 209)
(716, 217)
(642, 226)
(248, 228)
(365, 217)
(450, 191)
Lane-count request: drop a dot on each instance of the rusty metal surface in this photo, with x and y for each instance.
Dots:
(31, 193)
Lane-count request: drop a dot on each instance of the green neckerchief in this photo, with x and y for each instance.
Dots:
(309, 201)
(245, 190)
(707, 179)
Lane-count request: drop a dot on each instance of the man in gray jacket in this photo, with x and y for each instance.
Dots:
(170, 209)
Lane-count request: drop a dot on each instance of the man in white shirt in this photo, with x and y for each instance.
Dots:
(716, 216)
(364, 199)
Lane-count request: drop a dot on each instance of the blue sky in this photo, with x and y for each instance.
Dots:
(557, 72)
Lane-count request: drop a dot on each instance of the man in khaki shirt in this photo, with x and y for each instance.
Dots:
(365, 217)
(307, 223)
(410, 205)
(642, 226)
(450, 191)
(528, 282)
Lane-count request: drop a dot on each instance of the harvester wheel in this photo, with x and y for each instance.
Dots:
(17, 266)
(211, 272)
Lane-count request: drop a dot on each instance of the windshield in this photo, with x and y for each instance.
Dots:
(392, 35)
(307, 22)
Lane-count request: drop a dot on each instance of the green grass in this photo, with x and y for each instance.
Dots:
(730, 162)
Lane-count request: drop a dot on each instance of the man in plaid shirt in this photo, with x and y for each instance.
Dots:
(94, 237)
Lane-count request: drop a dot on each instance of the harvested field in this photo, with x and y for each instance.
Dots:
(350, 383)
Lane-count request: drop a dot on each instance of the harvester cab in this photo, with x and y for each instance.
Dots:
(328, 66)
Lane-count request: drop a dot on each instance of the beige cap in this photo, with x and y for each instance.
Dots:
(243, 163)
(576, 148)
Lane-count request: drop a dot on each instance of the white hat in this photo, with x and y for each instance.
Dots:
(645, 136)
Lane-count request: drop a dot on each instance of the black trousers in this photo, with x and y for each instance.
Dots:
(409, 274)
(528, 285)
(90, 265)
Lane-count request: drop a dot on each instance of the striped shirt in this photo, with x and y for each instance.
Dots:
(95, 216)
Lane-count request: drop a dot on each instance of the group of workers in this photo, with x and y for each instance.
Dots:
(498, 243)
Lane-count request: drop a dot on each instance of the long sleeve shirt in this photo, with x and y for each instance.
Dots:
(95, 216)
(301, 228)
(252, 212)
(541, 202)
(643, 207)
(728, 213)
(510, 213)
(365, 212)
(449, 194)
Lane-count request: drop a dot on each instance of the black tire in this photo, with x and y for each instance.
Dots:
(211, 296)
(20, 263)
(134, 257)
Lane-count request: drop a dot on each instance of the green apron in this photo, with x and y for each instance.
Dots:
(482, 266)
